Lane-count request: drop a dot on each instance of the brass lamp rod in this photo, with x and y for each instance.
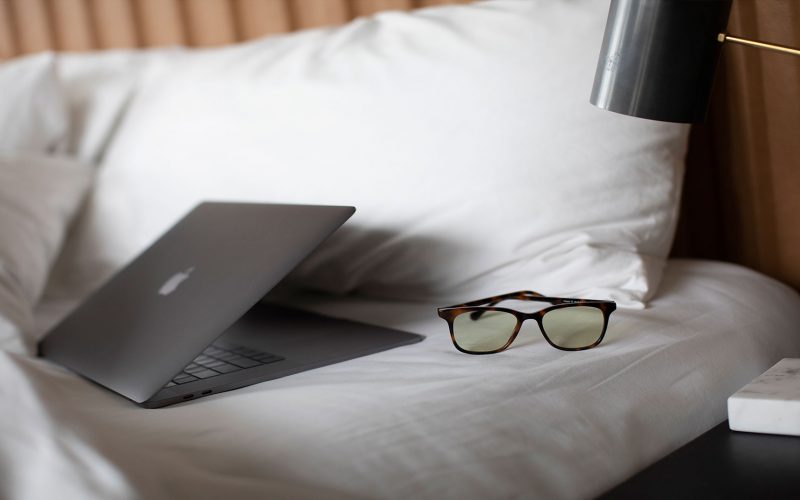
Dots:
(724, 37)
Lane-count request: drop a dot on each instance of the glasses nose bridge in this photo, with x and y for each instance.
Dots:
(523, 318)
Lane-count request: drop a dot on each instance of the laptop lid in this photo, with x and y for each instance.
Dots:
(159, 312)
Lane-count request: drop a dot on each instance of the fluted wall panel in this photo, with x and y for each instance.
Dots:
(430, 3)
(72, 25)
(32, 26)
(314, 13)
(159, 22)
(81, 25)
(256, 18)
(209, 23)
(368, 7)
(113, 25)
(8, 45)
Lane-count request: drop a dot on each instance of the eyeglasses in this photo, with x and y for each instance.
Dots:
(479, 327)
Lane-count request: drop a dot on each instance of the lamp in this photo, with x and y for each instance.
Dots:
(659, 57)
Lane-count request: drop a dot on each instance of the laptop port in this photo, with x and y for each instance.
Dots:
(207, 392)
(188, 396)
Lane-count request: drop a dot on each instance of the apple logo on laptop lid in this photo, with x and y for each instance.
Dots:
(172, 283)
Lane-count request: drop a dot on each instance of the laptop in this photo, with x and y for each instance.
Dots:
(185, 319)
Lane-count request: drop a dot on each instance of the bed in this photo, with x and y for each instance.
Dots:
(420, 421)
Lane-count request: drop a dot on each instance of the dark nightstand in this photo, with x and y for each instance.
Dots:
(721, 464)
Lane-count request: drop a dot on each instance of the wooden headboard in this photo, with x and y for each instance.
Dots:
(34, 25)
(742, 191)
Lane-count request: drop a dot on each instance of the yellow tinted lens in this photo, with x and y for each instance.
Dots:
(574, 327)
(488, 332)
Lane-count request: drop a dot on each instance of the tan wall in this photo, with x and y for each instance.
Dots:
(742, 198)
(28, 26)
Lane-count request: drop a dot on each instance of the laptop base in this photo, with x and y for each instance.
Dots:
(304, 340)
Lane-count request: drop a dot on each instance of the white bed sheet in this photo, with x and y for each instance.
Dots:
(421, 421)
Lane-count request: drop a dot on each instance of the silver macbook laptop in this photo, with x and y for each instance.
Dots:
(184, 319)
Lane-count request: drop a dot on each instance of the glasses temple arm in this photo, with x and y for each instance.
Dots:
(524, 295)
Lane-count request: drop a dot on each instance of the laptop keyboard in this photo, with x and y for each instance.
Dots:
(217, 360)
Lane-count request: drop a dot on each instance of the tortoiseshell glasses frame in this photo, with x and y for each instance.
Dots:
(478, 307)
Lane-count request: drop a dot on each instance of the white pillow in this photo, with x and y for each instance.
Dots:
(39, 195)
(97, 87)
(463, 135)
(33, 115)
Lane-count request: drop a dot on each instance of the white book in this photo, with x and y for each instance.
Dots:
(769, 404)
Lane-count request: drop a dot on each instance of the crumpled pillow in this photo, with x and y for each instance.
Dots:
(33, 112)
(39, 196)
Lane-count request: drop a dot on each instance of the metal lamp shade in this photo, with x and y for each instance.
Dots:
(659, 57)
